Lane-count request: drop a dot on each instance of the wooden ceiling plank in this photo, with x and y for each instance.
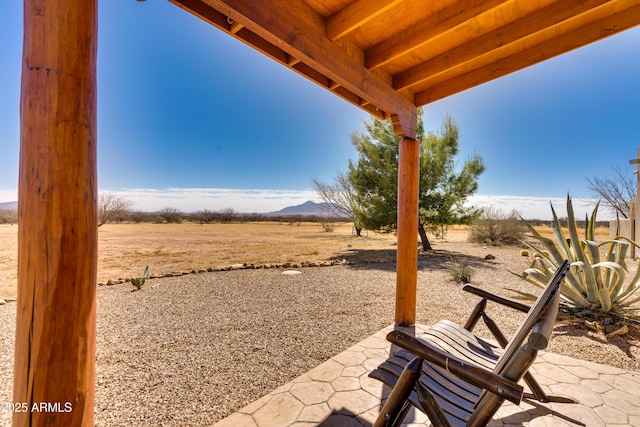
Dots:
(204, 12)
(420, 34)
(298, 30)
(355, 15)
(500, 37)
(608, 25)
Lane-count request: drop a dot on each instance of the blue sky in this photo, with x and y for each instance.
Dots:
(190, 118)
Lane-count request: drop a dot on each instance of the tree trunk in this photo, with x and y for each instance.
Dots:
(426, 246)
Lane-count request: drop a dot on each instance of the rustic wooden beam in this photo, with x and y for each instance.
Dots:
(607, 20)
(55, 347)
(538, 20)
(356, 14)
(407, 256)
(422, 32)
(297, 30)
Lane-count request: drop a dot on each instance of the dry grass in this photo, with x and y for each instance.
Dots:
(125, 249)
(8, 260)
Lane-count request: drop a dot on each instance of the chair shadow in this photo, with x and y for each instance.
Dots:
(343, 418)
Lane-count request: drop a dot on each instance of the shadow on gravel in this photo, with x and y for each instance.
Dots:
(385, 259)
(580, 330)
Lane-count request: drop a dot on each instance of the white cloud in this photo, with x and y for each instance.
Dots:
(196, 199)
(262, 200)
(8, 195)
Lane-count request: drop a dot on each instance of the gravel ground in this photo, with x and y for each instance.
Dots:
(190, 350)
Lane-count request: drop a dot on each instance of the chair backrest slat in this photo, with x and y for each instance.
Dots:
(535, 313)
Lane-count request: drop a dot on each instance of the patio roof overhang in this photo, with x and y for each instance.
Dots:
(390, 56)
(386, 56)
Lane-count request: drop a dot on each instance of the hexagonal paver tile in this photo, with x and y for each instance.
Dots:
(350, 358)
(328, 371)
(312, 393)
(375, 342)
(371, 364)
(512, 414)
(353, 371)
(583, 395)
(356, 402)
(629, 383)
(314, 413)
(611, 415)
(568, 414)
(376, 353)
(282, 410)
(370, 385)
(622, 401)
(346, 383)
(602, 369)
(582, 372)
(556, 372)
(254, 406)
(557, 359)
(596, 386)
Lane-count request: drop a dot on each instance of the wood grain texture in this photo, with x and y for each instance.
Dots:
(407, 262)
(57, 239)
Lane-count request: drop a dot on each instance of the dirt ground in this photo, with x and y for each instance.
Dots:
(126, 249)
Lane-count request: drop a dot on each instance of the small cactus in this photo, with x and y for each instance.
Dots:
(139, 281)
(524, 252)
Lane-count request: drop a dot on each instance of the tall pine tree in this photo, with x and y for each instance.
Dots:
(443, 188)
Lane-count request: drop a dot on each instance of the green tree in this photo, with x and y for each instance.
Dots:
(444, 188)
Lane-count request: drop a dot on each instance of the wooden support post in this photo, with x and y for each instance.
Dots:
(633, 215)
(55, 347)
(407, 259)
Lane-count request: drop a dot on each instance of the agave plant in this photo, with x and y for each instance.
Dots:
(598, 276)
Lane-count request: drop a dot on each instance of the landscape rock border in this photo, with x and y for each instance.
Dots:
(232, 267)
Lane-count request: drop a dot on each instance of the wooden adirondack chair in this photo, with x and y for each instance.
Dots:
(459, 379)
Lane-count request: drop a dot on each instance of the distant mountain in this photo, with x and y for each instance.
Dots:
(9, 206)
(307, 208)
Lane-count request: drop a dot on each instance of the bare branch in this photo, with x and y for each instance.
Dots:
(616, 191)
(112, 207)
(339, 198)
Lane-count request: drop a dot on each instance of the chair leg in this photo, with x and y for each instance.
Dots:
(475, 315)
(397, 405)
(536, 391)
(538, 394)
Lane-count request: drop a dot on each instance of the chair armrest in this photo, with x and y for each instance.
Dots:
(495, 298)
(474, 374)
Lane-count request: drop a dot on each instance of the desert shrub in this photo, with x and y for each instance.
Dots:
(496, 228)
(597, 278)
(171, 215)
(206, 217)
(459, 271)
(327, 225)
(8, 217)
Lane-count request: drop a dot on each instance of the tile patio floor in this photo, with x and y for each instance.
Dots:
(339, 393)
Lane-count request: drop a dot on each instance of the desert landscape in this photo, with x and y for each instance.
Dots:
(223, 338)
(126, 249)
